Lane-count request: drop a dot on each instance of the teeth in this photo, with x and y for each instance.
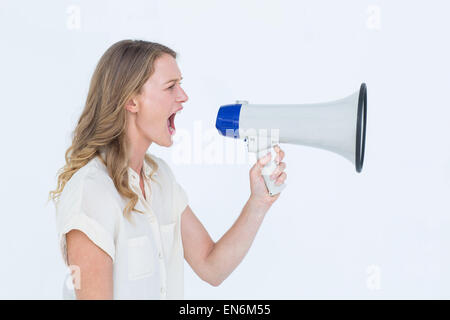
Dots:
(170, 126)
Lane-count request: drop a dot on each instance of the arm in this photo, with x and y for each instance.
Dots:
(96, 267)
(214, 262)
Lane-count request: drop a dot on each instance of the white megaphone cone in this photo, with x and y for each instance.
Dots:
(338, 126)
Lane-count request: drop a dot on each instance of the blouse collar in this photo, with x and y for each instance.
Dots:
(133, 175)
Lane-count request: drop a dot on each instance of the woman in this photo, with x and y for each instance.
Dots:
(124, 223)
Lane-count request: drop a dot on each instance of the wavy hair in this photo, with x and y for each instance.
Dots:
(101, 130)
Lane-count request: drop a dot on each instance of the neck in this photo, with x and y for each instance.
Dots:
(138, 146)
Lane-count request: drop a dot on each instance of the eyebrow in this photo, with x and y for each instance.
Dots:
(173, 80)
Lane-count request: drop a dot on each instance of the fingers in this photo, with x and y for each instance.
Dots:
(281, 179)
(278, 175)
(265, 160)
(280, 153)
(279, 169)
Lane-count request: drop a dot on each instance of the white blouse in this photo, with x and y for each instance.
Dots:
(147, 255)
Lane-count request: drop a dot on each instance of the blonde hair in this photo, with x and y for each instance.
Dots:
(121, 72)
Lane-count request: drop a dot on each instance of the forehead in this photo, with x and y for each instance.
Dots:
(165, 69)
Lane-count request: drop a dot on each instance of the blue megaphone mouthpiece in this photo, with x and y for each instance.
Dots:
(227, 121)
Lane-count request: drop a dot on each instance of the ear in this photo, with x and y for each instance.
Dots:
(132, 105)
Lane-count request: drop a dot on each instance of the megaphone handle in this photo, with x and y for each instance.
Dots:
(268, 169)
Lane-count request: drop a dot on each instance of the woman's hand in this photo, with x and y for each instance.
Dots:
(257, 186)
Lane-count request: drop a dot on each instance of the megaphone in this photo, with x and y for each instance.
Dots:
(338, 126)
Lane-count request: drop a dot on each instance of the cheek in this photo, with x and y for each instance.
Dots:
(151, 120)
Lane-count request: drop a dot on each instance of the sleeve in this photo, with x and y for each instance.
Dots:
(88, 207)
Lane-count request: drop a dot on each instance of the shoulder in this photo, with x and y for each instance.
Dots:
(91, 177)
(86, 191)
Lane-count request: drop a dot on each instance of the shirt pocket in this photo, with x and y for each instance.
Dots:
(167, 237)
(140, 258)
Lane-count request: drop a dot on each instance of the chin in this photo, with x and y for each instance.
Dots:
(165, 142)
(169, 144)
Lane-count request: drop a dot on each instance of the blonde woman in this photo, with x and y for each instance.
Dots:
(123, 221)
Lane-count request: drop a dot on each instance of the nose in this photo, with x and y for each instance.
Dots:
(183, 96)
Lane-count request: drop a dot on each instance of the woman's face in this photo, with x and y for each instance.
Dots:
(160, 98)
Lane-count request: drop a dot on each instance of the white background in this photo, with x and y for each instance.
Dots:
(333, 233)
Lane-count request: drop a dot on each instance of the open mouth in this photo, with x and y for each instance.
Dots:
(171, 124)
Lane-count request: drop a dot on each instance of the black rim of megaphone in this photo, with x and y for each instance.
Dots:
(361, 122)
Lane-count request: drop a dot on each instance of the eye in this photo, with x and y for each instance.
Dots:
(172, 86)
